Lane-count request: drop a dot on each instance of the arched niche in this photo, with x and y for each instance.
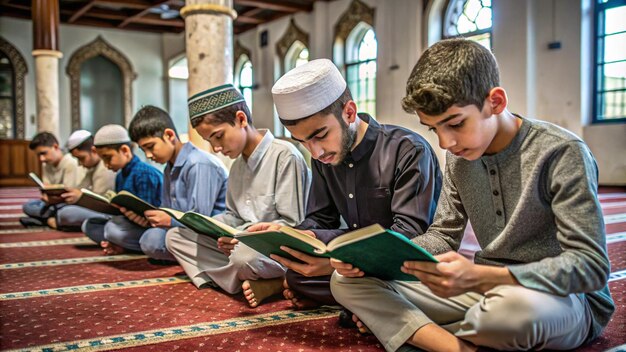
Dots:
(99, 47)
(356, 13)
(19, 70)
(292, 35)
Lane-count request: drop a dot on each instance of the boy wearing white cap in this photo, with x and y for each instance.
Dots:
(113, 145)
(58, 168)
(363, 172)
(98, 179)
(269, 181)
(193, 180)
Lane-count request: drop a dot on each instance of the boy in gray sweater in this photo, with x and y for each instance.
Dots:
(529, 189)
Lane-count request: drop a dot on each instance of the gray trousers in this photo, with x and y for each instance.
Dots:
(504, 318)
(205, 263)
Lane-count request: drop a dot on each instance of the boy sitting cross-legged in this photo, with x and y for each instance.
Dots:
(115, 233)
(529, 189)
(193, 180)
(269, 181)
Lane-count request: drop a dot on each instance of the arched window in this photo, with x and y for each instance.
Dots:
(12, 72)
(244, 78)
(297, 55)
(610, 73)
(178, 75)
(7, 98)
(470, 19)
(355, 52)
(361, 49)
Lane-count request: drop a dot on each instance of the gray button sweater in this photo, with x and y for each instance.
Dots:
(534, 208)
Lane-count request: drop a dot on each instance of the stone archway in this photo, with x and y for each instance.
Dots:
(292, 34)
(99, 47)
(20, 70)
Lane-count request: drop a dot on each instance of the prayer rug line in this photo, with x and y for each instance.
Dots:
(71, 261)
(186, 332)
(59, 242)
(94, 288)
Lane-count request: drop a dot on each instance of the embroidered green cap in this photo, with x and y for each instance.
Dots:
(213, 99)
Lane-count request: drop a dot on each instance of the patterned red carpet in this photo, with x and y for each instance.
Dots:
(58, 293)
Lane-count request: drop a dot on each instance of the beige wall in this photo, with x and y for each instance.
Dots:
(551, 85)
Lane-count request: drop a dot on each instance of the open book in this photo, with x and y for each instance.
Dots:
(103, 204)
(201, 224)
(53, 191)
(374, 250)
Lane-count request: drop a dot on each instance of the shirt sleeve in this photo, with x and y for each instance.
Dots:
(446, 232)
(73, 174)
(583, 265)
(291, 190)
(416, 189)
(149, 184)
(204, 183)
(322, 214)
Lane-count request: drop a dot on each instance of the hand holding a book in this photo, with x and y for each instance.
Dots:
(455, 275)
(158, 218)
(136, 218)
(310, 266)
(71, 196)
(346, 269)
(226, 244)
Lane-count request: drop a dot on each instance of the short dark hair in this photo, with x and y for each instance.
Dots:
(43, 139)
(85, 146)
(336, 108)
(225, 115)
(150, 121)
(115, 146)
(451, 72)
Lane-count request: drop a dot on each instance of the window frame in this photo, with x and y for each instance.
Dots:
(351, 59)
(596, 96)
(241, 62)
(447, 13)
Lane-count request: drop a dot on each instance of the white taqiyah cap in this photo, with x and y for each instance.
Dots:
(111, 134)
(77, 138)
(308, 89)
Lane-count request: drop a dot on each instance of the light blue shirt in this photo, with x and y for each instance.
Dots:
(196, 182)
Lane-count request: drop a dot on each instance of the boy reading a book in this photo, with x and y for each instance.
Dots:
(113, 145)
(363, 172)
(193, 180)
(57, 168)
(529, 189)
(98, 179)
(269, 181)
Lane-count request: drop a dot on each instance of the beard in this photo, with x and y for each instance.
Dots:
(348, 137)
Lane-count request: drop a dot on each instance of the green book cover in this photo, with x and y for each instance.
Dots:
(376, 251)
(132, 202)
(103, 204)
(202, 224)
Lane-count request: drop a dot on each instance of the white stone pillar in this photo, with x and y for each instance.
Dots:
(209, 47)
(47, 84)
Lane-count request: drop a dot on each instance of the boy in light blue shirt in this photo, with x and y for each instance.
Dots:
(193, 180)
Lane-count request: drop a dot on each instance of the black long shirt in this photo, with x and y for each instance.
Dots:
(392, 178)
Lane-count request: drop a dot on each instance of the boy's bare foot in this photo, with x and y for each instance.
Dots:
(256, 291)
(52, 222)
(298, 303)
(111, 248)
(359, 324)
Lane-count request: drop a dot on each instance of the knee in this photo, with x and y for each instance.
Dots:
(151, 241)
(508, 314)
(173, 238)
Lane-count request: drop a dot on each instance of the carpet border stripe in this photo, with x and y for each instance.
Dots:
(186, 332)
(71, 261)
(59, 242)
(618, 275)
(94, 288)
